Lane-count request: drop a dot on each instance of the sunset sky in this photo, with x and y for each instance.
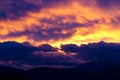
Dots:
(57, 22)
(62, 26)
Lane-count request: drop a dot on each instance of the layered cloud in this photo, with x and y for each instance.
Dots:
(96, 52)
(24, 55)
(59, 22)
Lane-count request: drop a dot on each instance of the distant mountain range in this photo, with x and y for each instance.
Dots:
(88, 71)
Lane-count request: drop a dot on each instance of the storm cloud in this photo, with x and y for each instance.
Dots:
(98, 52)
(20, 54)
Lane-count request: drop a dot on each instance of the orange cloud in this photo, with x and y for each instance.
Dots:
(76, 22)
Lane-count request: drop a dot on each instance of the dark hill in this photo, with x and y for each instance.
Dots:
(88, 71)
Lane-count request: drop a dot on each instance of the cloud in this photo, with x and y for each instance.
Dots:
(107, 3)
(70, 48)
(56, 30)
(24, 55)
(17, 50)
(59, 22)
(14, 50)
(55, 22)
(20, 54)
(46, 47)
(13, 9)
(96, 52)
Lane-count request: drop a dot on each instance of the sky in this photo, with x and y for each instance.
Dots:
(52, 32)
(57, 22)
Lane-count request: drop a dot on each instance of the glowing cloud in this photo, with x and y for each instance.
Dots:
(60, 22)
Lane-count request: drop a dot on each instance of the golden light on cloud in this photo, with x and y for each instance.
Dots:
(71, 23)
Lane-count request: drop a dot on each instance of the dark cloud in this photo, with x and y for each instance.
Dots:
(46, 47)
(14, 50)
(41, 34)
(100, 52)
(14, 9)
(108, 3)
(17, 54)
(70, 48)
(53, 3)
(104, 3)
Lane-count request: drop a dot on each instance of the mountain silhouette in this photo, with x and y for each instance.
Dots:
(9, 73)
(88, 71)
